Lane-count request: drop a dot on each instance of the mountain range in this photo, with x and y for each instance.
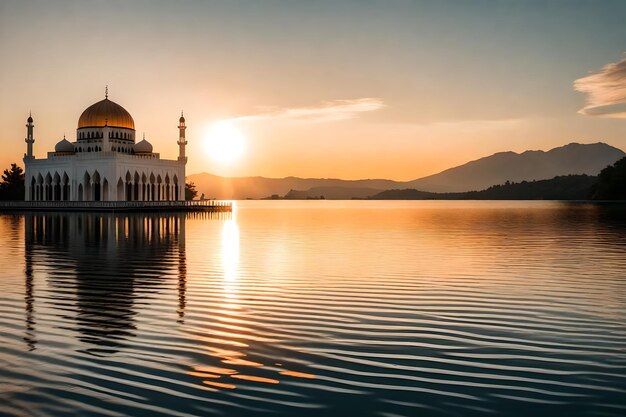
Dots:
(479, 174)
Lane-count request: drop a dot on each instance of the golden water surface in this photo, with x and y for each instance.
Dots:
(316, 308)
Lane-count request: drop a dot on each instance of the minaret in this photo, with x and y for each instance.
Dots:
(106, 131)
(29, 138)
(181, 139)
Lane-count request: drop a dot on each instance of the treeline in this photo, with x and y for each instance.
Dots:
(610, 184)
(12, 185)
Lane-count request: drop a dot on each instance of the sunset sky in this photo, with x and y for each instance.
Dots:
(349, 89)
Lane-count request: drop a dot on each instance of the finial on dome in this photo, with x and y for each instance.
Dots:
(106, 121)
(144, 135)
(106, 92)
(63, 135)
(30, 117)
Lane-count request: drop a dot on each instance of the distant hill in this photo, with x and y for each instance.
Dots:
(569, 187)
(574, 158)
(240, 188)
(332, 193)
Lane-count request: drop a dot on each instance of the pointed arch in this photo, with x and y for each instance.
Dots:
(176, 188)
(136, 184)
(159, 191)
(128, 187)
(47, 187)
(65, 181)
(167, 192)
(56, 186)
(96, 184)
(105, 190)
(152, 187)
(143, 191)
(33, 188)
(39, 193)
(120, 190)
(87, 191)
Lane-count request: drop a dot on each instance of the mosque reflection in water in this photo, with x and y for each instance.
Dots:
(110, 263)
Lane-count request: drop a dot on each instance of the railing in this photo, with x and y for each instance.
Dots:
(120, 205)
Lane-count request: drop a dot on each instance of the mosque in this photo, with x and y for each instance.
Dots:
(104, 163)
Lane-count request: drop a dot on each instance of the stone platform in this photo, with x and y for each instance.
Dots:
(116, 206)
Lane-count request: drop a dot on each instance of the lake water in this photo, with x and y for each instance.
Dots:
(316, 308)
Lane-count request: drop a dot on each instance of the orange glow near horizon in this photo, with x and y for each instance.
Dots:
(430, 88)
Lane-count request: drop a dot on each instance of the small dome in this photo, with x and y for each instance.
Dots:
(143, 146)
(30, 119)
(106, 113)
(182, 119)
(64, 146)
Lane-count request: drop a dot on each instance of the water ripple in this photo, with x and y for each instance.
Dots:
(309, 308)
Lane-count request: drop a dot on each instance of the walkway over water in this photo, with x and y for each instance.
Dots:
(194, 205)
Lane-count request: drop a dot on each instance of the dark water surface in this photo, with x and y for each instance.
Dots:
(316, 309)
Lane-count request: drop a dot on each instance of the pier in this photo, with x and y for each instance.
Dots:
(117, 206)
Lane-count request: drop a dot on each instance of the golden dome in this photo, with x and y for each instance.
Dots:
(106, 112)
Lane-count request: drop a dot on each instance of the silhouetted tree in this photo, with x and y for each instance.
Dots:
(611, 184)
(567, 187)
(190, 191)
(12, 185)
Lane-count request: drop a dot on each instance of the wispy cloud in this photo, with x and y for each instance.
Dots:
(323, 112)
(606, 91)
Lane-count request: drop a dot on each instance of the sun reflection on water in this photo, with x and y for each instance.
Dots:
(230, 249)
(227, 367)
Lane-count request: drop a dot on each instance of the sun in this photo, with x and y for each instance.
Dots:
(224, 142)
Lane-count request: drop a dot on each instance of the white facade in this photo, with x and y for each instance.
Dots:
(104, 163)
